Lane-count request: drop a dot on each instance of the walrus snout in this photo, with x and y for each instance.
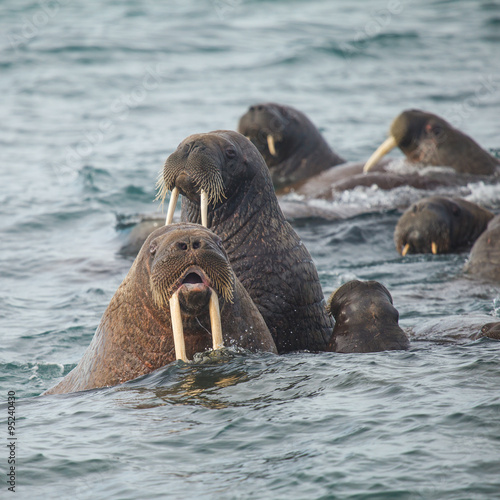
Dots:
(187, 186)
(194, 292)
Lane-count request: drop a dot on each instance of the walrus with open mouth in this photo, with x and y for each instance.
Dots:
(440, 224)
(365, 319)
(226, 185)
(180, 297)
(425, 139)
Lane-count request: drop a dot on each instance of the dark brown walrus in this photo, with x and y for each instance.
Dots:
(424, 138)
(365, 319)
(484, 257)
(440, 224)
(430, 140)
(173, 281)
(291, 145)
(225, 173)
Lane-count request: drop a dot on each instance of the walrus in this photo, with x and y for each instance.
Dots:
(440, 224)
(426, 140)
(484, 257)
(290, 143)
(365, 319)
(140, 229)
(180, 288)
(226, 185)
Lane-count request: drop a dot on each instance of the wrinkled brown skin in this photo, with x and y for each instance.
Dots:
(266, 254)
(301, 151)
(452, 223)
(484, 257)
(424, 138)
(365, 319)
(134, 336)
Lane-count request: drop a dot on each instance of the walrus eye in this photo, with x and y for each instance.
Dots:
(153, 247)
(230, 153)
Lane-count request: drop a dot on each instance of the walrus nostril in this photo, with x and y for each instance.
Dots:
(196, 245)
(192, 278)
(181, 245)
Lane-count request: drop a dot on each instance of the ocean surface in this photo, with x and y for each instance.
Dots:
(93, 97)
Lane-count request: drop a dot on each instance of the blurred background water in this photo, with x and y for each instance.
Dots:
(94, 97)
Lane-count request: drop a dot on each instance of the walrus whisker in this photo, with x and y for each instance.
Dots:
(215, 322)
(389, 144)
(171, 206)
(204, 207)
(177, 329)
(270, 145)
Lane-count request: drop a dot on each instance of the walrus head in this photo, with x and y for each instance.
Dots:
(439, 224)
(365, 319)
(342, 298)
(189, 270)
(272, 128)
(429, 139)
(425, 228)
(208, 169)
(490, 330)
(289, 142)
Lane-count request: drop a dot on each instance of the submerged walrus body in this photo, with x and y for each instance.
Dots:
(182, 267)
(226, 184)
(440, 224)
(365, 319)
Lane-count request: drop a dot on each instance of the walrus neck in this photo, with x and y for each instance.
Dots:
(307, 158)
(246, 203)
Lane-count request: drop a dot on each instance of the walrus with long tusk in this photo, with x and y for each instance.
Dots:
(290, 143)
(180, 297)
(429, 139)
(440, 224)
(226, 184)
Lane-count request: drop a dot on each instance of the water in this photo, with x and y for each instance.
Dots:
(94, 98)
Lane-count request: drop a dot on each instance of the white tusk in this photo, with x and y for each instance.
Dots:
(270, 145)
(171, 206)
(217, 341)
(177, 330)
(204, 208)
(434, 248)
(405, 249)
(382, 150)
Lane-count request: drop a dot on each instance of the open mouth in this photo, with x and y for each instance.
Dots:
(194, 280)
